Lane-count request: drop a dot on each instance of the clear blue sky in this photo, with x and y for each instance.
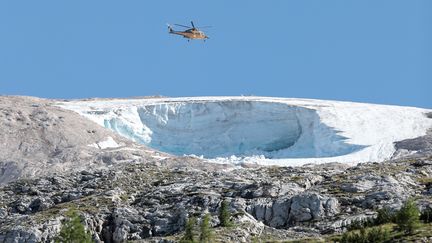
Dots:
(368, 51)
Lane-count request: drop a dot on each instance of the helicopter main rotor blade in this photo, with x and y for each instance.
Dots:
(184, 26)
(204, 27)
(192, 24)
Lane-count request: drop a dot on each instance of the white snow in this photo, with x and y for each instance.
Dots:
(262, 130)
(108, 143)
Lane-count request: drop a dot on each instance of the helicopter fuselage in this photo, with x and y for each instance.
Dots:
(190, 34)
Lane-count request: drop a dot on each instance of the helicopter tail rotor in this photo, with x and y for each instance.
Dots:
(170, 29)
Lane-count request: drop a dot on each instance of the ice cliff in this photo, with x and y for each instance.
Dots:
(260, 130)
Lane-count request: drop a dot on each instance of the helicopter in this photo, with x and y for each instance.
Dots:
(192, 32)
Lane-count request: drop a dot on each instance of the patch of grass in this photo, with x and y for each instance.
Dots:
(337, 191)
(90, 204)
(274, 171)
(375, 234)
(46, 215)
(296, 178)
(304, 240)
(425, 181)
(124, 197)
(424, 231)
(410, 160)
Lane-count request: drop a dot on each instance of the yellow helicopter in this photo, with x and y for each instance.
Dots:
(192, 32)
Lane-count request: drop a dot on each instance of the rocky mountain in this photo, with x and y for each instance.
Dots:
(53, 160)
(38, 138)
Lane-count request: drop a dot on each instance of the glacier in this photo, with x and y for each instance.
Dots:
(260, 130)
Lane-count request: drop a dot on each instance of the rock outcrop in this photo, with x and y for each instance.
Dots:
(152, 200)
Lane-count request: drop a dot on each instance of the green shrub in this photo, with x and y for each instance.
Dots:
(361, 224)
(355, 225)
(225, 215)
(206, 235)
(408, 217)
(384, 216)
(189, 236)
(372, 235)
(378, 234)
(73, 230)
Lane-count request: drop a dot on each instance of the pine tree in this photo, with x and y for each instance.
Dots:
(225, 215)
(73, 230)
(408, 217)
(189, 236)
(206, 231)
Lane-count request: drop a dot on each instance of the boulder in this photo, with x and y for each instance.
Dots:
(360, 186)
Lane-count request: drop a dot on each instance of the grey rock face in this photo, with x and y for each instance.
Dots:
(261, 209)
(126, 222)
(280, 213)
(312, 206)
(362, 185)
(45, 232)
(300, 208)
(388, 189)
(22, 235)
